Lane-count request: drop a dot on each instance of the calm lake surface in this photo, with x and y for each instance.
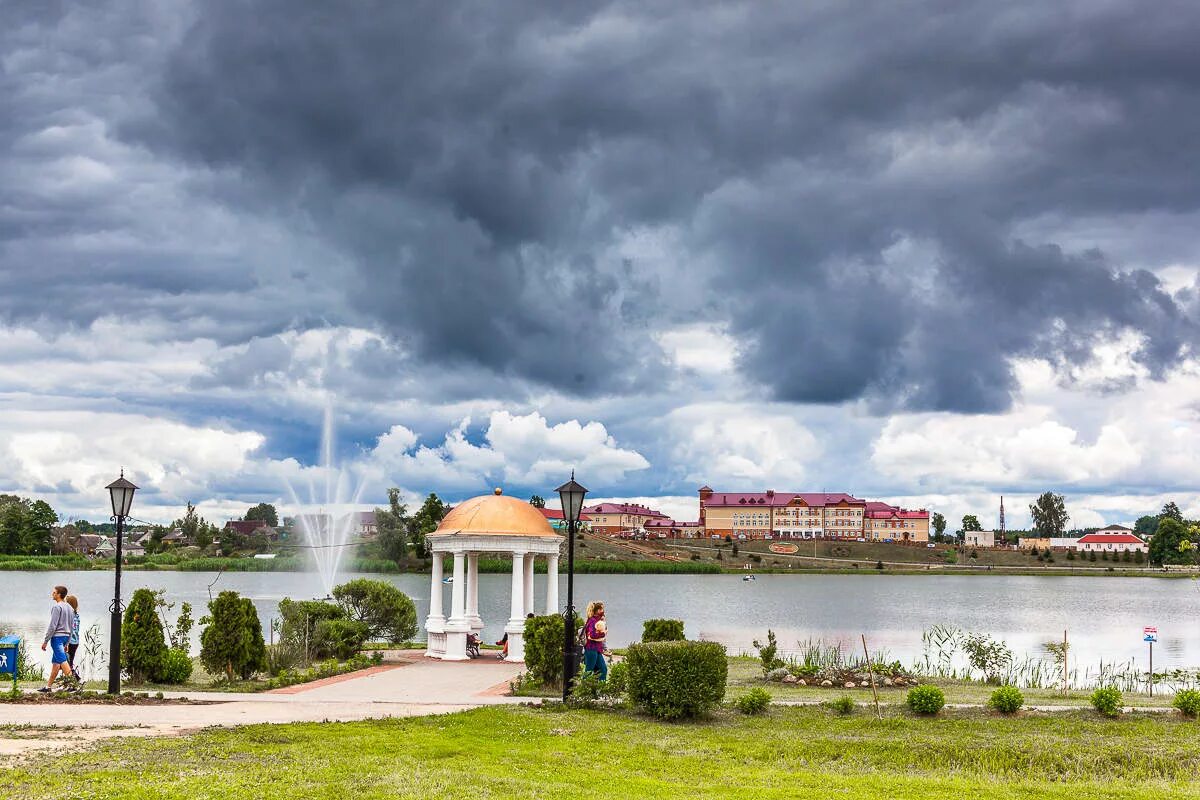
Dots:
(1104, 616)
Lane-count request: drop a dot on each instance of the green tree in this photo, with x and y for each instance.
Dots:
(939, 527)
(392, 524)
(206, 534)
(264, 512)
(425, 522)
(1049, 514)
(971, 523)
(232, 641)
(1145, 525)
(1171, 511)
(1172, 543)
(388, 613)
(143, 645)
(229, 540)
(12, 526)
(37, 536)
(537, 501)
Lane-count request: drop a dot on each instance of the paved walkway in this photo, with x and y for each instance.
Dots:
(405, 689)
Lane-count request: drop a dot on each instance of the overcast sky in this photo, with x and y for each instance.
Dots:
(925, 252)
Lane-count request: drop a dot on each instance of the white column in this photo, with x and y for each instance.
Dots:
(458, 606)
(435, 623)
(527, 606)
(516, 620)
(473, 618)
(435, 589)
(552, 583)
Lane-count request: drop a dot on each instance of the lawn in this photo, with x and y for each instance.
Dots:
(512, 752)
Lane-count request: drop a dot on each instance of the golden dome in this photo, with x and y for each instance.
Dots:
(495, 514)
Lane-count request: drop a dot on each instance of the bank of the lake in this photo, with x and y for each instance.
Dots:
(523, 752)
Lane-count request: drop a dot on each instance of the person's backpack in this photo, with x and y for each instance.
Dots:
(581, 637)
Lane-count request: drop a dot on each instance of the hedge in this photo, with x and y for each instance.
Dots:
(662, 630)
(677, 680)
(544, 648)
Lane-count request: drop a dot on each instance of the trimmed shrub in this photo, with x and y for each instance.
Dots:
(340, 638)
(927, 700)
(1188, 702)
(388, 613)
(176, 667)
(143, 645)
(842, 705)
(754, 701)
(618, 678)
(1107, 700)
(1006, 700)
(232, 641)
(299, 620)
(662, 630)
(544, 648)
(677, 680)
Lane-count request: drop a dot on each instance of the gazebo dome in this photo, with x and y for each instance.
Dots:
(495, 514)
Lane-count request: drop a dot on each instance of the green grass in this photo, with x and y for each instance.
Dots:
(519, 752)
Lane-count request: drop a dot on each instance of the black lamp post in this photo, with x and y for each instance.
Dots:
(120, 492)
(571, 494)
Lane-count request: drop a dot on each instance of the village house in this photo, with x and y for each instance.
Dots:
(620, 519)
(1113, 539)
(979, 538)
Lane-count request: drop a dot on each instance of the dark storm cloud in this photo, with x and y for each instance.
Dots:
(844, 184)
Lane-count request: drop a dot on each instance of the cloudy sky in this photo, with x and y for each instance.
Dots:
(927, 252)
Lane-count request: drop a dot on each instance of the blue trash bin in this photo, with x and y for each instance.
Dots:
(10, 649)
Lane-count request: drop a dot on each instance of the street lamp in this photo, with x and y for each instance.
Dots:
(571, 494)
(120, 492)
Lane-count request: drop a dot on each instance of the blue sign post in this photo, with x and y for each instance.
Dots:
(1150, 636)
(10, 657)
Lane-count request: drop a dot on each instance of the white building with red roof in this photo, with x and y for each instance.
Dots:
(1113, 539)
(620, 518)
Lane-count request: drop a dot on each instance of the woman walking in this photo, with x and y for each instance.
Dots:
(73, 642)
(594, 641)
(57, 635)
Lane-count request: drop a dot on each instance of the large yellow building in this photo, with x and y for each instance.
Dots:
(808, 515)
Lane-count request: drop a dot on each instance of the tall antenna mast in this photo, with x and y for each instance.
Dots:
(1003, 529)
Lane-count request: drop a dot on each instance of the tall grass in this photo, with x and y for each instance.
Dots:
(595, 567)
(26, 563)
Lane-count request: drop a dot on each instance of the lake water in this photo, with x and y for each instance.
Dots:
(1104, 616)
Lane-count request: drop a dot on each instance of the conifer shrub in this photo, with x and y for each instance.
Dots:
(143, 644)
(662, 630)
(677, 680)
(927, 700)
(232, 643)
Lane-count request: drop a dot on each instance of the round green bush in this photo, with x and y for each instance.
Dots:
(662, 630)
(1188, 702)
(926, 699)
(754, 701)
(1107, 700)
(677, 680)
(1007, 700)
(176, 667)
(618, 678)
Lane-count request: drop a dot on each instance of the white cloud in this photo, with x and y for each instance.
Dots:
(517, 449)
(741, 446)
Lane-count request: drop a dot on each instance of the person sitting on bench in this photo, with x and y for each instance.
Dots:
(472, 645)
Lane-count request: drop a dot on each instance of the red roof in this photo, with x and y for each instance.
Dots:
(246, 526)
(670, 523)
(551, 513)
(623, 508)
(1109, 538)
(779, 499)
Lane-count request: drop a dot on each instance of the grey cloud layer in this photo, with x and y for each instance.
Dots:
(845, 185)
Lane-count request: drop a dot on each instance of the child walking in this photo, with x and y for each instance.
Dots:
(73, 642)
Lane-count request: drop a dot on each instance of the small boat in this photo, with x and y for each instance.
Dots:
(448, 579)
(748, 577)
